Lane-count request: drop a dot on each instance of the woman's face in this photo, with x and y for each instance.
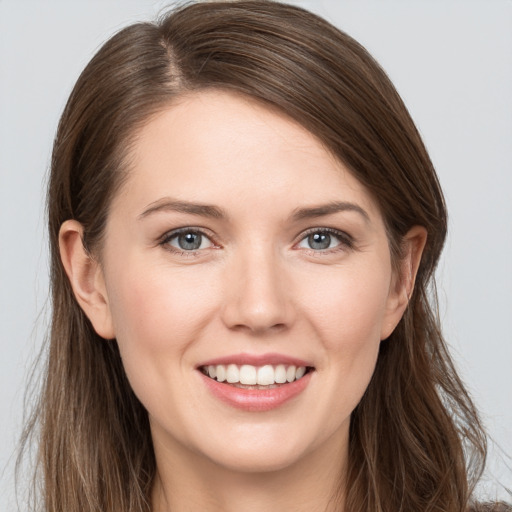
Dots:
(239, 247)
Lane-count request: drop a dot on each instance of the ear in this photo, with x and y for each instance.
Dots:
(402, 284)
(86, 277)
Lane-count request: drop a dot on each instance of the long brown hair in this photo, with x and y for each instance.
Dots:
(416, 442)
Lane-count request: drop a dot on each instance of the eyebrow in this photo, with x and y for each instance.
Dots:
(170, 205)
(214, 212)
(329, 209)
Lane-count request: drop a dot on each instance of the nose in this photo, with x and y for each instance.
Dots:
(257, 295)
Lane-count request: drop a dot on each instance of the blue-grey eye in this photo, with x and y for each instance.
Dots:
(320, 241)
(189, 241)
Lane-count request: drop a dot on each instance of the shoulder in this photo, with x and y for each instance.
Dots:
(490, 507)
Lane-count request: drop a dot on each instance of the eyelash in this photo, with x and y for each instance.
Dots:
(166, 239)
(346, 242)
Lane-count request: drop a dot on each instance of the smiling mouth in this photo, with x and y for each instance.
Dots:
(255, 377)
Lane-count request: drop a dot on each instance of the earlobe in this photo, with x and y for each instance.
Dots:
(402, 287)
(86, 278)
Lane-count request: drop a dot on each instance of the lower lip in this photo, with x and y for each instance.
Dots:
(256, 400)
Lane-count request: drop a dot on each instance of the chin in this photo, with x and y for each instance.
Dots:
(257, 461)
(261, 450)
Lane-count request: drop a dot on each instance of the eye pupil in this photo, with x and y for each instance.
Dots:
(190, 241)
(319, 240)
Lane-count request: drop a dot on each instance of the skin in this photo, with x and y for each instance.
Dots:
(255, 285)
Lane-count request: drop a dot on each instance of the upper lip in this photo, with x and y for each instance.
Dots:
(256, 360)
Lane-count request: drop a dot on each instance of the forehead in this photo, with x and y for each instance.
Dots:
(228, 149)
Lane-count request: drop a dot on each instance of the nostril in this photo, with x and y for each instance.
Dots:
(259, 329)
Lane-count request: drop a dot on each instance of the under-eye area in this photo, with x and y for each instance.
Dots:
(255, 377)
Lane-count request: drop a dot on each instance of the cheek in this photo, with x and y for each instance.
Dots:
(157, 304)
(350, 308)
(348, 318)
(156, 316)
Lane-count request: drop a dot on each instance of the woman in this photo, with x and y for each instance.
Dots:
(244, 225)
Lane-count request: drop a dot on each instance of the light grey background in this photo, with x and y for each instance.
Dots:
(452, 63)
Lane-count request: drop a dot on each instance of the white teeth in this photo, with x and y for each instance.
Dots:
(220, 370)
(232, 374)
(300, 372)
(266, 375)
(280, 375)
(249, 375)
(290, 373)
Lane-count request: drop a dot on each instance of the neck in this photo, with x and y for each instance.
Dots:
(187, 482)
